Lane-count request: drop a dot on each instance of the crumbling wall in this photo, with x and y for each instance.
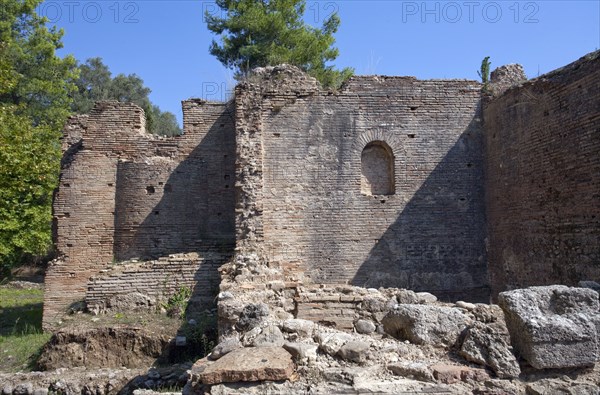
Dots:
(146, 285)
(126, 194)
(311, 217)
(543, 179)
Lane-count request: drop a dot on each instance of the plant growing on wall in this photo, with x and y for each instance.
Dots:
(484, 70)
(258, 33)
(177, 302)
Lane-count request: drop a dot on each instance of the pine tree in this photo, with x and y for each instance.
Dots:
(258, 33)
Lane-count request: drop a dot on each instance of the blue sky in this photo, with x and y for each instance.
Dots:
(166, 42)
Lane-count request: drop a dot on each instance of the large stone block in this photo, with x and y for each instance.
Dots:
(422, 324)
(246, 364)
(553, 326)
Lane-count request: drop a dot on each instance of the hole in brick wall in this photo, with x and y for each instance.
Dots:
(382, 200)
(218, 214)
(277, 134)
(224, 156)
(110, 184)
(377, 169)
(222, 125)
(462, 199)
(150, 190)
(469, 165)
(411, 135)
(69, 245)
(413, 108)
(168, 188)
(66, 185)
(156, 212)
(160, 183)
(67, 215)
(226, 186)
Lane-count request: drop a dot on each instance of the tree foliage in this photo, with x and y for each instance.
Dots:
(95, 83)
(35, 100)
(256, 33)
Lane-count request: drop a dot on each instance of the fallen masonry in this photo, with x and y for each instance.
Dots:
(298, 356)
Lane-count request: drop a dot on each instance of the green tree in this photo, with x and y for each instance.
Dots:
(42, 82)
(256, 33)
(35, 89)
(96, 83)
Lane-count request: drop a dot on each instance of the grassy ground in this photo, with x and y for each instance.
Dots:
(21, 336)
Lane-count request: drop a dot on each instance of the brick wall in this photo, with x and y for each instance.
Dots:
(316, 223)
(543, 179)
(126, 194)
(157, 280)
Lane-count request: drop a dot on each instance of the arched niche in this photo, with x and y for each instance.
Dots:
(377, 169)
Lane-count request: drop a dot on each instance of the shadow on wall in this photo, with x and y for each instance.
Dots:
(164, 207)
(437, 243)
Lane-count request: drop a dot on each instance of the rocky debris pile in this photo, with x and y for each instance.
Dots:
(93, 381)
(401, 341)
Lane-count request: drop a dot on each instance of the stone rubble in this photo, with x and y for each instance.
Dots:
(316, 359)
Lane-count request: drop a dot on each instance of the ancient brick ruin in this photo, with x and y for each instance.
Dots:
(437, 186)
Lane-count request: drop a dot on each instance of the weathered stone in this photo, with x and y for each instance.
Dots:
(270, 336)
(303, 328)
(449, 374)
(561, 386)
(416, 370)
(423, 324)
(354, 351)
(249, 364)
(488, 313)
(406, 296)
(252, 315)
(426, 297)
(553, 326)
(225, 347)
(365, 326)
(331, 342)
(23, 389)
(465, 305)
(249, 337)
(302, 352)
(374, 304)
(489, 345)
